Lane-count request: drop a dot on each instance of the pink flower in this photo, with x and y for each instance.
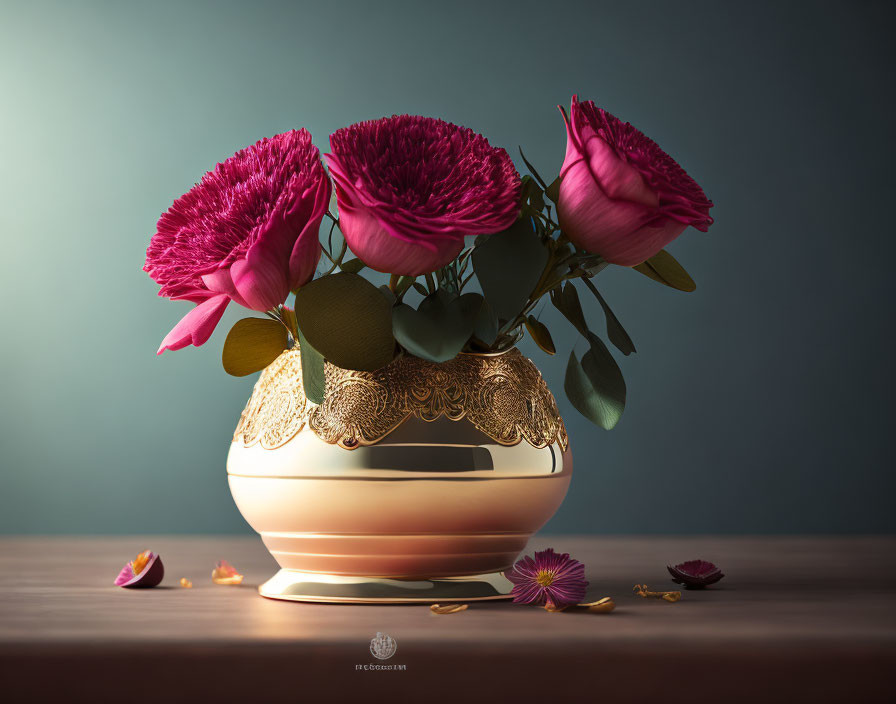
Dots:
(621, 196)
(411, 188)
(550, 579)
(248, 232)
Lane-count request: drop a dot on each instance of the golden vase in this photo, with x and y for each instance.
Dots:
(419, 482)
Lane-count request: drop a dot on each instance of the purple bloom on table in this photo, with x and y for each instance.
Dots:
(695, 574)
(548, 579)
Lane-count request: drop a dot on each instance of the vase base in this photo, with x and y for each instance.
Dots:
(293, 585)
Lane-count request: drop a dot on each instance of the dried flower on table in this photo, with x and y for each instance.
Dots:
(225, 573)
(555, 608)
(186, 583)
(448, 608)
(695, 574)
(548, 580)
(601, 606)
(146, 570)
(642, 591)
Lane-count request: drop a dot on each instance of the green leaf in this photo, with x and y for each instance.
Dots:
(553, 191)
(439, 328)
(509, 266)
(664, 268)
(420, 288)
(533, 171)
(595, 386)
(540, 334)
(388, 295)
(566, 300)
(485, 325)
(531, 194)
(404, 283)
(251, 345)
(617, 334)
(348, 320)
(352, 266)
(313, 371)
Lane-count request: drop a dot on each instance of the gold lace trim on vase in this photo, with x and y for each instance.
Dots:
(504, 396)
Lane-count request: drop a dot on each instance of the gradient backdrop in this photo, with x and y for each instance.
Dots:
(761, 403)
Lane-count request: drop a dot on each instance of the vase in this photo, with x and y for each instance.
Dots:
(420, 482)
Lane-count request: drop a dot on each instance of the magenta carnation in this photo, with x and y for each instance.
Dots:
(247, 232)
(621, 196)
(411, 188)
(550, 579)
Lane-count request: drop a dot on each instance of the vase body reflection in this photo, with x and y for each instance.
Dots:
(421, 483)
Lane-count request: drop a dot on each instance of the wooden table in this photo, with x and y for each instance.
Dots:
(795, 619)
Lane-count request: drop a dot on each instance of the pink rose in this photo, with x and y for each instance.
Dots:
(248, 233)
(411, 188)
(621, 196)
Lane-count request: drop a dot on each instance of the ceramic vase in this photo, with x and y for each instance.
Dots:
(420, 482)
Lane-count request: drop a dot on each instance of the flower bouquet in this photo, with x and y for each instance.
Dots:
(400, 305)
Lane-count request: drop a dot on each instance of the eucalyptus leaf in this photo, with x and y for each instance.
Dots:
(531, 194)
(352, 266)
(509, 265)
(617, 334)
(439, 328)
(485, 325)
(540, 334)
(665, 269)
(566, 300)
(313, 371)
(553, 191)
(532, 170)
(388, 295)
(595, 386)
(251, 345)
(348, 320)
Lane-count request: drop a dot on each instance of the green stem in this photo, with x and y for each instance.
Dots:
(338, 261)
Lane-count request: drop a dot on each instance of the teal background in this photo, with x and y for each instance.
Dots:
(761, 403)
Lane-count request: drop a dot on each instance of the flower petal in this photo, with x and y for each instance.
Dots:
(196, 326)
(381, 251)
(306, 250)
(262, 284)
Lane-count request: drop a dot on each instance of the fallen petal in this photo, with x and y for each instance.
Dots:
(146, 570)
(695, 574)
(225, 573)
(186, 583)
(601, 606)
(642, 591)
(448, 608)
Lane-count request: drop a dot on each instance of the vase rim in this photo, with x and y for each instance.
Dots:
(489, 354)
(296, 348)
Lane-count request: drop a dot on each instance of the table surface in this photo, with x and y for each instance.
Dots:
(811, 617)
